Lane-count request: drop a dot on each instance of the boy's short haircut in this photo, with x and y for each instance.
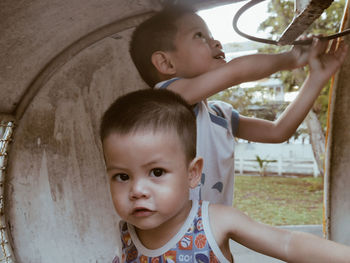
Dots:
(155, 34)
(152, 110)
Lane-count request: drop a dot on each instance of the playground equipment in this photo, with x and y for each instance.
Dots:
(62, 64)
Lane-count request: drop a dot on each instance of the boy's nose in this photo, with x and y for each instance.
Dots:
(216, 43)
(139, 189)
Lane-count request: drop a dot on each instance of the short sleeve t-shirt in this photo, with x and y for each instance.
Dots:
(217, 123)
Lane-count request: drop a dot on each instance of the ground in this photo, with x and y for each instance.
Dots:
(278, 200)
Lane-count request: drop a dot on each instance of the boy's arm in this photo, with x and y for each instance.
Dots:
(239, 70)
(272, 241)
(322, 66)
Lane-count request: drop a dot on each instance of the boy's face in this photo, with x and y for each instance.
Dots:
(149, 177)
(196, 51)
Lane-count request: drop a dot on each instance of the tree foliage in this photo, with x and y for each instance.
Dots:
(281, 15)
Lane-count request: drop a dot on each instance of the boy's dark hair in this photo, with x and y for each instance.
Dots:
(155, 34)
(155, 110)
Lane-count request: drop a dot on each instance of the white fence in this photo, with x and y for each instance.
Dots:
(287, 158)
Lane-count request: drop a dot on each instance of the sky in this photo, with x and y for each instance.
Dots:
(219, 21)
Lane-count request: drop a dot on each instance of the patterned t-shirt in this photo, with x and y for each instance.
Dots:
(193, 243)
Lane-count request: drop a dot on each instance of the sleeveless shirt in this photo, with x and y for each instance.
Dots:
(194, 242)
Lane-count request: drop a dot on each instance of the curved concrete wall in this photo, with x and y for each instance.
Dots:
(63, 63)
(59, 204)
(33, 32)
(57, 200)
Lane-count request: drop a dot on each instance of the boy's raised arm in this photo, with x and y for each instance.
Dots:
(323, 64)
(239, 70)
(279, 243)
(304, 247)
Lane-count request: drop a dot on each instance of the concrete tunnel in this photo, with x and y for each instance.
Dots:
(62, 64)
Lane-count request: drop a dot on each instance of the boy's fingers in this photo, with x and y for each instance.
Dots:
(319, 46)
(324, 45)
(334, 45)
(339, 55)
(309, 36)
(344, 47)
(315, 47)
(302, 37)
(342, 52)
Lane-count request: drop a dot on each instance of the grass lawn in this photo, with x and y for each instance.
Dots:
(280, 200)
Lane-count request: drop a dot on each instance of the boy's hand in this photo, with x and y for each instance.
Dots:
(300, 55)
(324, 63)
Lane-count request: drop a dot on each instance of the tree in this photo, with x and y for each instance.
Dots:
(263, 163)
(329, 22)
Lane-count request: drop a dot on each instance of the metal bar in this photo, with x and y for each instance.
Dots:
(6, 131)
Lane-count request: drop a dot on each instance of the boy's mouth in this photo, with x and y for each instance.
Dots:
(142, 212)
(221, 55)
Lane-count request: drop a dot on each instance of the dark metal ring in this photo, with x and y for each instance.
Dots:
(274, 42)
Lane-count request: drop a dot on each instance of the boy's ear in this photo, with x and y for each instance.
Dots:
(195, 171)
(162, 61)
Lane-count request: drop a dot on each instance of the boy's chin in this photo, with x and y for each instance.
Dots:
(145, 224)
(145, 227)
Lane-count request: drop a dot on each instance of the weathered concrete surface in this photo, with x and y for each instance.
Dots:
(338, 161)
(58, 198)
(33, 32)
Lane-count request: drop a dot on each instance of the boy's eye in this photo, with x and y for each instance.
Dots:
(199, 35)
(121, 177)
(157, 172)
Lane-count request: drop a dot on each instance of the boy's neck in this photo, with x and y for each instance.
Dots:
(157, 237)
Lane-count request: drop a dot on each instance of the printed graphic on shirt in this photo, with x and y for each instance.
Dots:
(170, 257)
(186, 243)
(218, 186)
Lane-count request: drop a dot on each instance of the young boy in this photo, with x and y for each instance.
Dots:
(175, 50)
(150, 156)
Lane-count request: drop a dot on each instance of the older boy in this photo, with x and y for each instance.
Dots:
(174, 49)
(150, 155)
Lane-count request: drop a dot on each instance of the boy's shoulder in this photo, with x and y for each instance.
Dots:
(226, 111)
(225, 219)
(220, 107)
